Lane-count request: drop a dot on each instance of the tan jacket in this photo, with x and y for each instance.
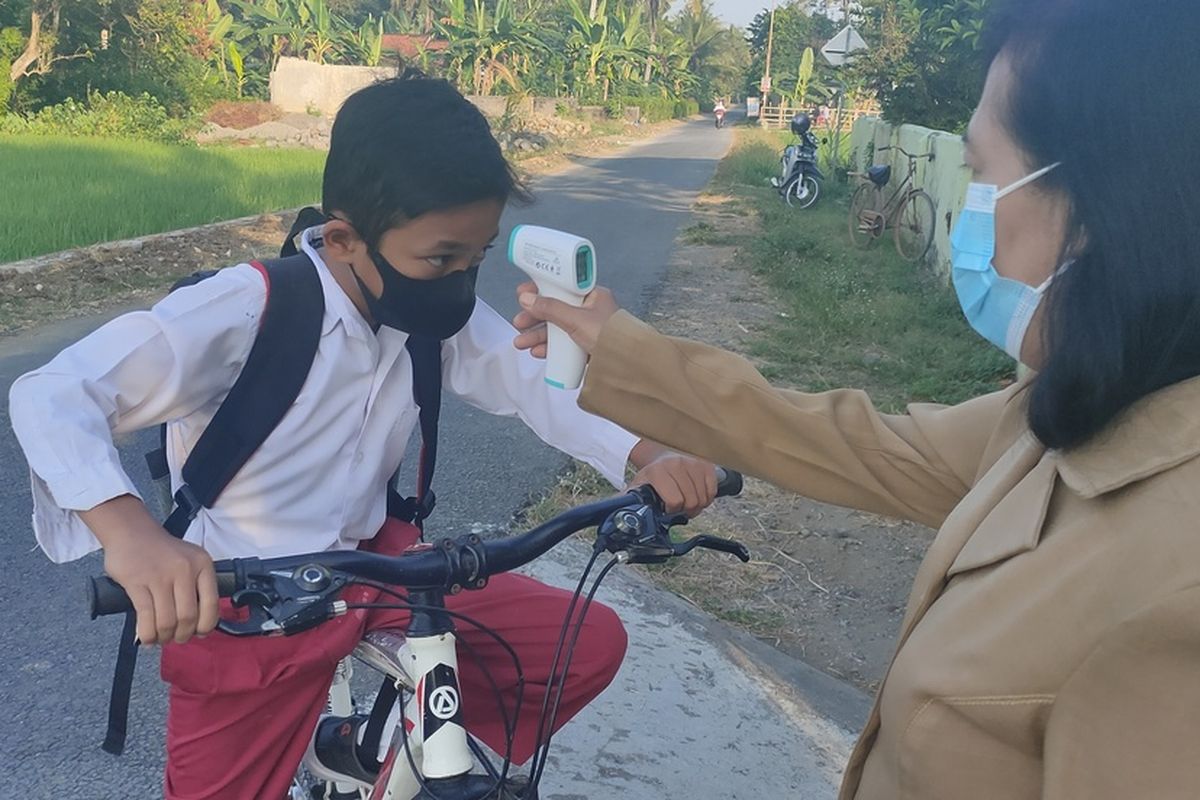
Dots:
(1051, 647)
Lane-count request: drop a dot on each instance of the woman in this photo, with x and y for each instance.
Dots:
(1051, 647)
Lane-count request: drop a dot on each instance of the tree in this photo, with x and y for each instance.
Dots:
(796, 29)
(925, 64)
(489, 48)
(39, 53)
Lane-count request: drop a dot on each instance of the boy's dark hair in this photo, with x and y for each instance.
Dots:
(404, 147)
(1107, 88)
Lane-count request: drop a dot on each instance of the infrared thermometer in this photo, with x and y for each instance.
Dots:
(563, 266)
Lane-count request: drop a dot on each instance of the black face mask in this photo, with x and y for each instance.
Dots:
(437, 308)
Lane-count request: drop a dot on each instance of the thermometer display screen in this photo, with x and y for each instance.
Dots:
(583, 266)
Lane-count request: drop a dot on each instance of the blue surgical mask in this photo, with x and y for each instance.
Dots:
(998, 308)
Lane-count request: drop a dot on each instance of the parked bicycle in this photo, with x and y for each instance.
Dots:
(909, 212)
(431, 756)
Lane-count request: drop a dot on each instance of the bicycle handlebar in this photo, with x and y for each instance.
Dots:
(928, 155)
(452, 564)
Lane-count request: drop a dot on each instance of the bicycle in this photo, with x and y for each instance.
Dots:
(430, 755)
(909, 211)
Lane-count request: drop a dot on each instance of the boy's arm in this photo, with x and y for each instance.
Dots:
(139, 370)
(482, 366)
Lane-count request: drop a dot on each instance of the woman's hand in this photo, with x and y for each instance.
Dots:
(583, 324)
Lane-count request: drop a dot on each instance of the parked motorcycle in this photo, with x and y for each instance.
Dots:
(799, 181)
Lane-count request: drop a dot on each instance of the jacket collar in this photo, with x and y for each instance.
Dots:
(1158, 432)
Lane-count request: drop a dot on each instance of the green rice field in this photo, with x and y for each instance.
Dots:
(59, 192)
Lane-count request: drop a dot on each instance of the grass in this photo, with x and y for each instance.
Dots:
(694, 577)
(70, 192)
(861, 318)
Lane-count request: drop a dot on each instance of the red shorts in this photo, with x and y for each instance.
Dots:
(242, 710)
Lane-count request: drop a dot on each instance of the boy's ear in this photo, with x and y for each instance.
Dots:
(341, 241)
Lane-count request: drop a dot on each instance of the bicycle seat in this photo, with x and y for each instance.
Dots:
(381, 650)
(880, 174)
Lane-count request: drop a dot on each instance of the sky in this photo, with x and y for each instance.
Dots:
(739, 12)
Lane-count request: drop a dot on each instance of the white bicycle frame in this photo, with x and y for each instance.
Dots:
(425, 670)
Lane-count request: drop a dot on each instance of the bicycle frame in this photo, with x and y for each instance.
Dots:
(433, 736)
(893, 205)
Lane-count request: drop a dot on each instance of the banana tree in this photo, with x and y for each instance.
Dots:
(495, 47)
(589, 37)
(632, 41)
(364, 45)
(220, 37)
(321, 37)
(239, 68)
(280, 27)
(808, 86)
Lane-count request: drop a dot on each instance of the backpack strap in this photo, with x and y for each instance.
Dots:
(275, 371)
(268, 385)
(426, 356)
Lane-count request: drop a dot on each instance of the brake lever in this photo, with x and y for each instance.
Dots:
(713, 543)
(286, 603)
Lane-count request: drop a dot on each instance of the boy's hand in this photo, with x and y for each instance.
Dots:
(684, 483)
(583, 324)
(170, 582)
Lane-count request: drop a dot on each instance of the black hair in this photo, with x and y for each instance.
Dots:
(406, 146)
(1107, 88)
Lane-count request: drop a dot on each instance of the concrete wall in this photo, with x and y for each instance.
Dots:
(300, 86)
(945, 178)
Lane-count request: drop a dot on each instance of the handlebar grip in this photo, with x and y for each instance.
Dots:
(106, 597)
(729, 483)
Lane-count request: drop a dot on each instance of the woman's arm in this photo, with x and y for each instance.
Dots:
(833, 447)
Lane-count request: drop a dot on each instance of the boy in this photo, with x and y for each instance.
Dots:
(413, 191)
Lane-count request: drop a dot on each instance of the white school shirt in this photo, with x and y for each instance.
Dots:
(318, 482)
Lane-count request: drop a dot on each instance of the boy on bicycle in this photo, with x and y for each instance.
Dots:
(413, 190)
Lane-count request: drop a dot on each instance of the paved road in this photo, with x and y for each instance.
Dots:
(686, 717)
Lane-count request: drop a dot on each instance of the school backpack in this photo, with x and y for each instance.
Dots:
(271, 379)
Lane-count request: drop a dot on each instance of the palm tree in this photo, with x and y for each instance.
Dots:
(655, 11)
(700, 29)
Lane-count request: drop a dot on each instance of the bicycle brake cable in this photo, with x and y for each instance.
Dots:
(558, 650)
(536, 779)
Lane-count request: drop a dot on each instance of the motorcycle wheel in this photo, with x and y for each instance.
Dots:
(801, 191)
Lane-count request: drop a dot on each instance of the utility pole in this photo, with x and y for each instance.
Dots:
(765, 85)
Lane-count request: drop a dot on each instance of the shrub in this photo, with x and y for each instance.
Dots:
(113, 114)
(654, 109)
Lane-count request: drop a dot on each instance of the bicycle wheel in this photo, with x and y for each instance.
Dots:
(802, 192)
(866, 223)
(914, 225)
